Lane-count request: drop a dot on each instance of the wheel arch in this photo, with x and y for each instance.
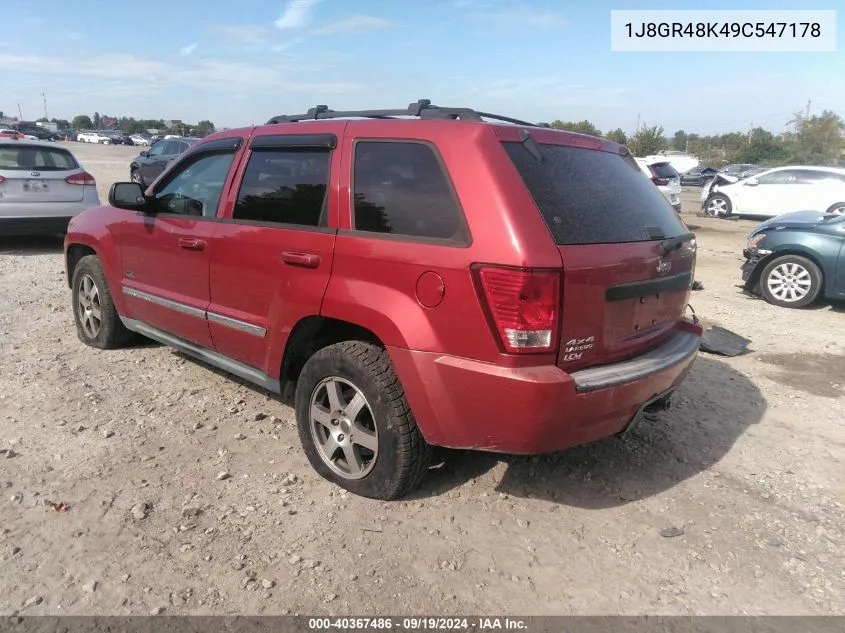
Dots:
(73, 254)
(308, 336)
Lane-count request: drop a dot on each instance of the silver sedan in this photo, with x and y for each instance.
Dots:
(42, 186)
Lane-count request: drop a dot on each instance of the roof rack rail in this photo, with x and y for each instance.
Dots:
(423, 109)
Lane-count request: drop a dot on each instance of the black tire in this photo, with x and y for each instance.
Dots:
(111, 333)
(718, 198)
(135, 176)
(838, 208)
(403, 455)
(804, 268)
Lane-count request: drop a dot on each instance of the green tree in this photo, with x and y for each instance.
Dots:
(62, 123)
(97, 121)
(205, 127)
(763, 148)
(582, 127)
(43, 119)
(679, 140)
(82, 122)
(647, 140)
(617, 136)
(818, 139)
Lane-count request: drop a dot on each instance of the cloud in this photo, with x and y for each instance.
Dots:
(512, 17)
(354, 24)
(242, 33)
(297, 14)
(187, 50)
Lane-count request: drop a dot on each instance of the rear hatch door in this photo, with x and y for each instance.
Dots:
(627, 258)
(35, 174)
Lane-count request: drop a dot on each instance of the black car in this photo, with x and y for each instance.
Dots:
(697, 176)
(147, 166)
(794, 258)
(38, 132)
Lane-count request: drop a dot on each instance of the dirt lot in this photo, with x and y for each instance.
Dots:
(731, 503)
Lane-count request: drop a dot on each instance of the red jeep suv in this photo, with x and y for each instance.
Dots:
(408, 278)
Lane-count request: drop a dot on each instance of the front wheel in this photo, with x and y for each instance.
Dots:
(791, 281)
(718, 206)
(135, 176)
(355, 424)
(97, 322)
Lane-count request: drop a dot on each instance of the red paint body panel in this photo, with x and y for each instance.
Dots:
(463, 389)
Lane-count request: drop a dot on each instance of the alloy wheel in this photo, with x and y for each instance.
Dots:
(88, 304)
(343, 428)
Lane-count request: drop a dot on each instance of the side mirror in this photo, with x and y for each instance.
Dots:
(752, 182)
(143, 154)
(127, 195)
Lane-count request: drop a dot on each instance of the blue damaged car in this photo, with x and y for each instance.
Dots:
(795, 258)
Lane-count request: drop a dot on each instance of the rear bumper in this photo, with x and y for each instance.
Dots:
(461, 403)
(34, 225)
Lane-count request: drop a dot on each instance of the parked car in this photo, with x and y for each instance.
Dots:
(9, 133)
(665, 177)
(147, 166)
(370, 309)
(777, 191)
(94, 137)
(42, 186)
(35, 132)
(143, 141)
(795, 258)
(697, 176)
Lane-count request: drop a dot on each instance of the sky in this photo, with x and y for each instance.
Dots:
(240, 63)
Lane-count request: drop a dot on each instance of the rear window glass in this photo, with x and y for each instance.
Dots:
(43, 159)
(594, 197)
(663, 170)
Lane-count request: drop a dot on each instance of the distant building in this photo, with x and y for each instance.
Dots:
(109, 122)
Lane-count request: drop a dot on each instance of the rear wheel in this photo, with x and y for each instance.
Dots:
(355, 424)
(791, 281)
(97, 321)
(718, 206)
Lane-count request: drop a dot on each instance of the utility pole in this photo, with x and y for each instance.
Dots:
(809, 102)
(750, 128)
(638, 123)
(44, 98)
(20, 114)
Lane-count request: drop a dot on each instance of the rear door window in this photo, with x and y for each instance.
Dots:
(594, 197)
(42, 159)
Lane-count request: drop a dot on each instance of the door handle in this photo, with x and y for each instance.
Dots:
(191, 244)
(306, 260)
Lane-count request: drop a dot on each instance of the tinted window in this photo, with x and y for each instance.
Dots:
(402, 189)
(36, 158)
(196, 186)
(593, 197)
(172, 147)
(663, 170)
(284, 186)
(157, 149)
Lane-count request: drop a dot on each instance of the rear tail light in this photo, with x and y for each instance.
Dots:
(2, 180)
(523, 306)
(81, 179)
(660, 182)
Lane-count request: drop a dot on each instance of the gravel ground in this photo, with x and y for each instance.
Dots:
(732, 503)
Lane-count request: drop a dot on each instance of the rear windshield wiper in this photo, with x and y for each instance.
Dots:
(674, 243)
(531, 145)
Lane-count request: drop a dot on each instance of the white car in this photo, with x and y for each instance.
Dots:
(94, 137)
(667, 179)
(42, 186)
(140, 140)
(777, 191)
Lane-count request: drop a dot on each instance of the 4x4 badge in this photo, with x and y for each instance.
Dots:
(663, 266)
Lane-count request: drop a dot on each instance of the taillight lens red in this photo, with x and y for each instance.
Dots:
(524, 306)
(81, 179)
(660, 182)
(2, 180)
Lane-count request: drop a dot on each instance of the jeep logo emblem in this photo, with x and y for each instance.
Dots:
(663, 266)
